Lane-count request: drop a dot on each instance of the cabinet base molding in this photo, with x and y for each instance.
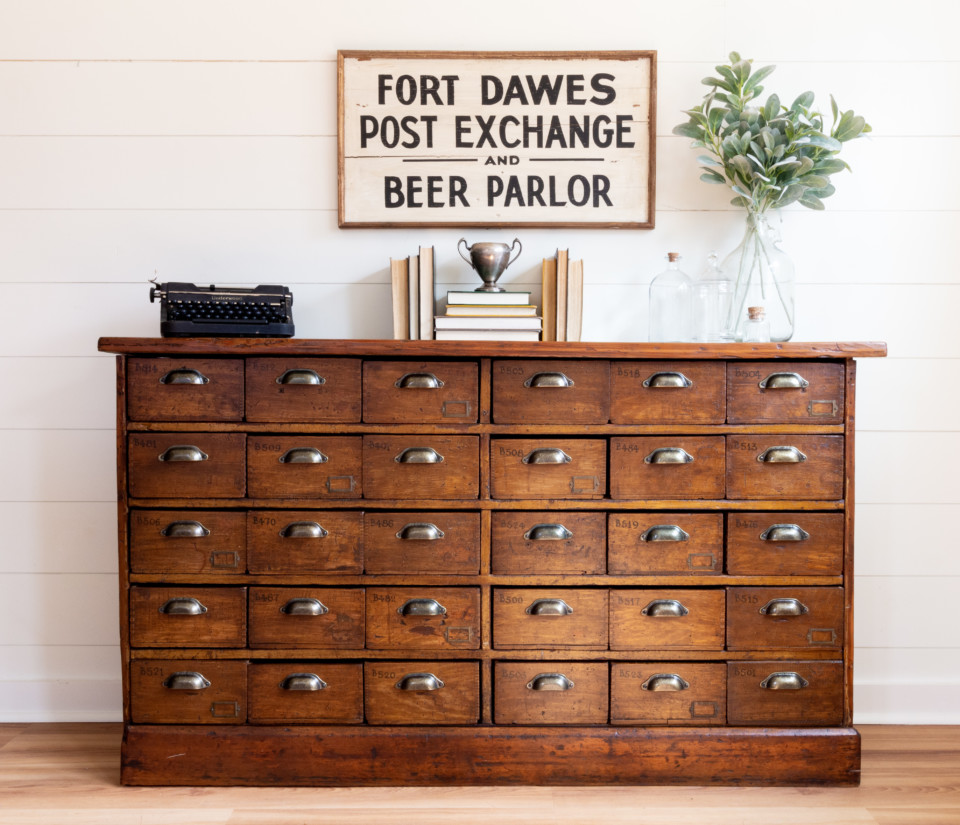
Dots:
(338, 756)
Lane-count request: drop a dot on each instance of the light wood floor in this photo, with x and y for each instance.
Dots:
(67, 775)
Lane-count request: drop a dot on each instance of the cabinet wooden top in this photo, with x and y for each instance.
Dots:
(480, 349)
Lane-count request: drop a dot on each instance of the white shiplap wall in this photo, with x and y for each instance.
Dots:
(196, 139)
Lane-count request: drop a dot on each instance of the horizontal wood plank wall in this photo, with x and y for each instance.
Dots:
(176, 141)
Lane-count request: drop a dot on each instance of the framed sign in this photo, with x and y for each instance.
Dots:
(497, 139)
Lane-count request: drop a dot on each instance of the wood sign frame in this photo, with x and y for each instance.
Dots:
(496, 139)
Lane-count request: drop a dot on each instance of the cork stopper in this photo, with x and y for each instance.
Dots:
(673, 256)
(756, 313)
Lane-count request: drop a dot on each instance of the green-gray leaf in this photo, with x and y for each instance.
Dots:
(710, 176)
(811, 202)
(690, 130)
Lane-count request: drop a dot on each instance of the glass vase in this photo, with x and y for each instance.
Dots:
(763, 276)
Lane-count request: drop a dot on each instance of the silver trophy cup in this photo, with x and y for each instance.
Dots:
(489, 260)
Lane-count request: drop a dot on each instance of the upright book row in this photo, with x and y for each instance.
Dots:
(412, 287)
(562, 281)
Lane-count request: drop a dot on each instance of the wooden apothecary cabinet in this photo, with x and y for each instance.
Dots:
(436, 566)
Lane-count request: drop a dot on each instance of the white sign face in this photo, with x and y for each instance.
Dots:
(494, 139)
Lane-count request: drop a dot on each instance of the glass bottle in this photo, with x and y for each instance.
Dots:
(712, 294)
(756, 329)
(670, 303)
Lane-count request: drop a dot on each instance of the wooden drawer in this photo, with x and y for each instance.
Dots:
(187, 465)
(677, 619)
(667, 467)
(187, 541)
(664, 543)
(785, 693)
(188, 692)
(548, 543)
(785, 393)
(422, 693)
(785, 544)
(188, 616)
(785, 466)
(565, 468)
(318, 617)
(304, 466)
(549, 617)
(303, 389)
(421, 466)
(414, 542)
(185, 389)
(305, 541)
(550, 693)
(668, 693)
(305, 693)
(784, 617)
(667, 392)
(420, 392)
(423, 618)
(551, 392)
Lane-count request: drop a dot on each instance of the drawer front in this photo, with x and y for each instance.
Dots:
(549, 617)
(305, 541)
(667, 467)
(188, 541)
(778, 392)
(421, 466)
(664, 543)
(188, 616)
(305, 693)
(187, 465)
(420, 392)
(551, 392)
(665, 392)
(676, 619)
(668, 693)
(412, 542)
(549, 542)
(550, 693)
(785, 544)
(422, 693)
(304, 466)
(785, 693)
(423, 618)
(318, 617)
(564, 468)
(785, 466)
(188, 692)
(784, 617)
(186, 389)
(303, 389)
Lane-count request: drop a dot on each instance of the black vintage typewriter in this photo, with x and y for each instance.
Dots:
(188, 311)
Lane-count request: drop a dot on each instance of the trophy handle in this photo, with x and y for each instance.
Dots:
(464, 242)
(516, 242)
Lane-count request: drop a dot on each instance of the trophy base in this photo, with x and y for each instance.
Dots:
(489, 288)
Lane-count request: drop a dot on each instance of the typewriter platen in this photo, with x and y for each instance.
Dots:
(188, 311)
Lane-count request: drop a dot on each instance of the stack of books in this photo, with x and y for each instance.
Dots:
(562, 281)
(412, 285)
(488, 316)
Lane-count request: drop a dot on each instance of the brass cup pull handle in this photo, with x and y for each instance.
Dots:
(422, 607)
(784, 680)
(664, 608)
(548, 379)
(665, 532)
(419, 681)
(183, 452)
(303, 530)
(184, 376)
(549, 607)
(186, 680)
(419, 455)
(665, 682)
(185, 530)
(668, 380)
(550, 681)
(182, 607)
(669, 455)
(784, 532)
(303, 455)
(418, 381)
(781, 455)
(784, 607)
(310, 378)
(420, 531)
(784, 381)
(546, 455)
(303, 681)
(305, 606)
(548, 532)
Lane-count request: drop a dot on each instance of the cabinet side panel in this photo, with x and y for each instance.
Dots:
(850, 431)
